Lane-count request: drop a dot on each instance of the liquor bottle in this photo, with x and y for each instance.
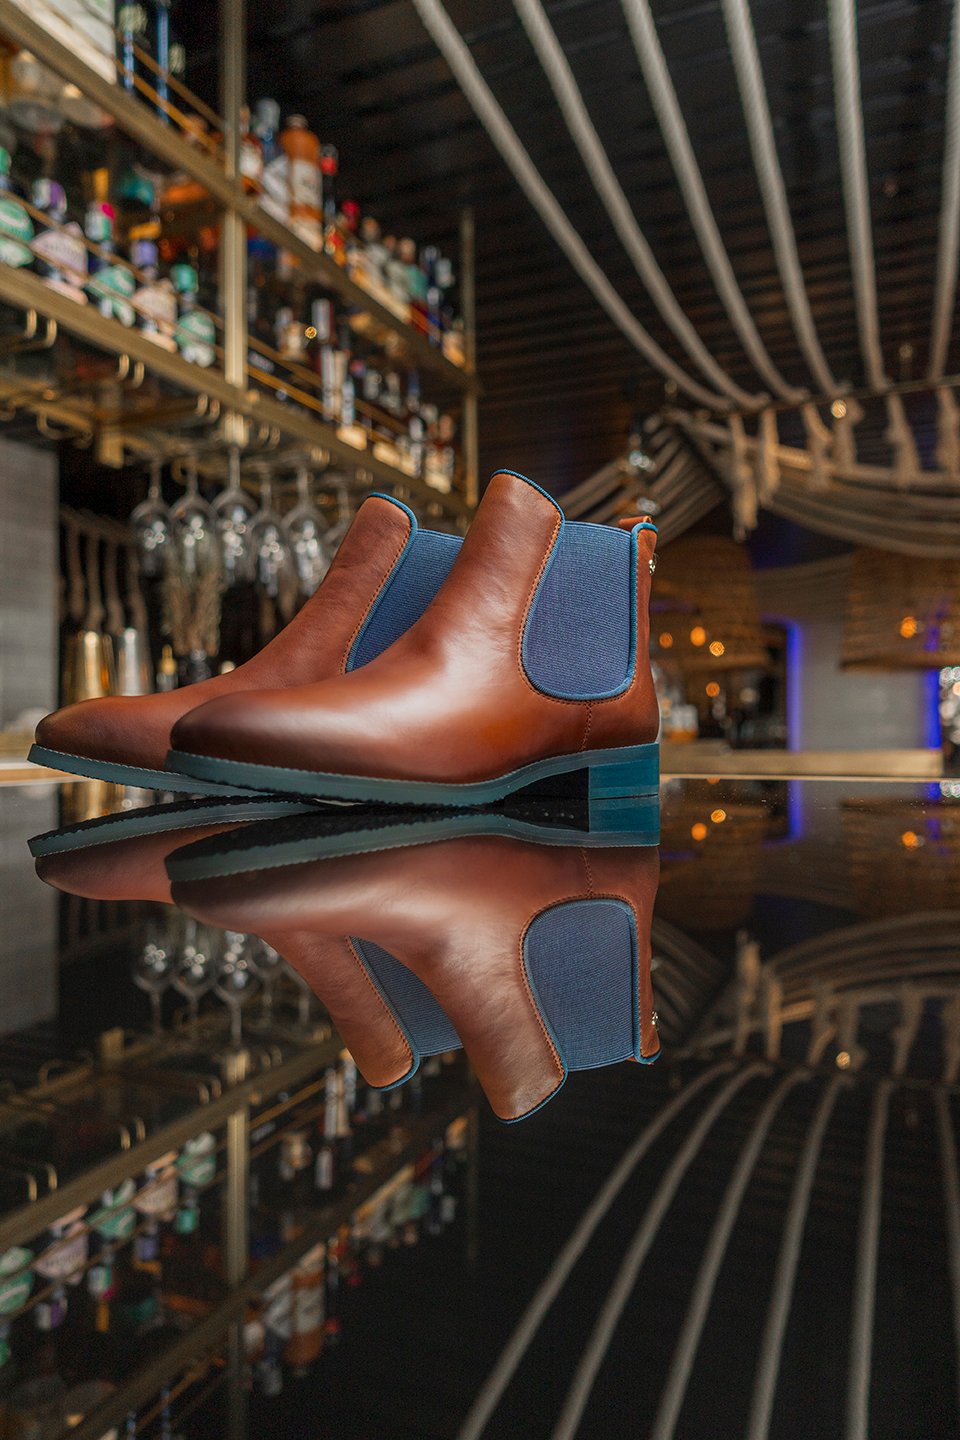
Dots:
(61, 1262)
(167, 675)
(295, 1171)
(251, 153)
(275, 1317)
(16, 227)
(329, 166)
(60, 248)
(111, 1227)
(274, 196)
(155, 300)
(132, 25)
(156, 1201)
(331, 1322)
(110, 285)
(195, 332)
(169, 54)
(398, 278)
(416, 283)
(307, 1317)
(302, 149)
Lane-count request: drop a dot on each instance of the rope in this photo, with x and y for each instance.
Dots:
(598, 167)
(746, 60)
(501, 132)
(853, 170)
(677, 140)
(945, 293)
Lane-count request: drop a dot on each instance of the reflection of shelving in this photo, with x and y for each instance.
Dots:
(208, 164)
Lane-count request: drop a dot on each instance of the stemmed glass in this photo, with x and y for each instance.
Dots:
(152, 525)
(344, 519)
(233, 510)
(153, 970)
(196, 526)
(270, 559)
(236, 982)
(306, 533)
(267, 965)
(196, 969)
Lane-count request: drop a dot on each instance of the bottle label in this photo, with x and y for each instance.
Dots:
(114, 286)
(15, 1291)
(251, 160)
(198, 1161)
(117, 1219)
(65, 1257)
(308, 1307)
(196, 335)
(305, 184)
(276, 194)
(15, 226)
(159, 1196)
(158, 303)
(64, 250)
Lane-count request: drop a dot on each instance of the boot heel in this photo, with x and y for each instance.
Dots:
(635, 772)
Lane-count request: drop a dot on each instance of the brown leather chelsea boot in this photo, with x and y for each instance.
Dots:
(383, 576)
(530, 667)
(534, 957)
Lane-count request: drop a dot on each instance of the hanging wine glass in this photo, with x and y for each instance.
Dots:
(344, 517)
(196, 526)
(306, 533)
(152, 525)
(153, 970)
(271, 562)
(195, 969)
(234, 509)
(267, 965)
(235, 983)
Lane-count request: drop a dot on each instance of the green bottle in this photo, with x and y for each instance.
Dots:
(16, 227)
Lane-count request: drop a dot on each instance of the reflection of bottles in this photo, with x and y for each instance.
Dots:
(16, 227)
(132, 25)
(167, 670)
(251, 153)
(110, 285)
(61, 248)
(306, 1311)
(302, 149)
(195, 332)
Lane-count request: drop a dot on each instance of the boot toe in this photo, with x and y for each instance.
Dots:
(234, 727)
(119, 729)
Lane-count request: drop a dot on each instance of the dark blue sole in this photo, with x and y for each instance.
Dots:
(628, 770)
(131, 774)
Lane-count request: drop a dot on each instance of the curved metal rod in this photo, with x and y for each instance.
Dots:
(505, 138)
(678, 1378)
(599, 1343)
(598, 167)
(948, 243)
(865, 1279)
(516, 1347)
(654, 66)
(785, 1275)
(753, 96)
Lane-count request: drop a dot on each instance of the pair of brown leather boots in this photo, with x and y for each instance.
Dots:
(422, 671)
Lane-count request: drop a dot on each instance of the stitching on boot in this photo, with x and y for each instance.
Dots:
(373, 600)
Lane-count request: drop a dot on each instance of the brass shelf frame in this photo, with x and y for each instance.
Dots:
(240, 209)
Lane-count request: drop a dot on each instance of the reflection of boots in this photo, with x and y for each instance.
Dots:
(531, 665)
(539, 954)
(123, 857)
(384, 574)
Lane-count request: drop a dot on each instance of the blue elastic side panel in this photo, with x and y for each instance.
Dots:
(426, 1026)
(578, 643)
(581, 962)
(420, 572)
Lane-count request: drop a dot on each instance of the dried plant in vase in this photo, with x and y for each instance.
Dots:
(192, 607)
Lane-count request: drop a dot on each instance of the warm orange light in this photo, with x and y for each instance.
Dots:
(666, 640)
(698, 831)
(843, 1060)
(910, 840)
(311, 332)
(718, 816)
(698, 636)
(908, 627)
(717, 648)
(713, 780)
(955, 687)
(838, 409)
(713, 689)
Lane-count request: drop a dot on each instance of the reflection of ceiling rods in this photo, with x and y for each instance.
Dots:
(945, 296)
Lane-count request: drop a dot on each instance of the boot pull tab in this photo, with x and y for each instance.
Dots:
(642, 522)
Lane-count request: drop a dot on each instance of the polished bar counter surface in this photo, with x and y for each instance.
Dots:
(328, 1122)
